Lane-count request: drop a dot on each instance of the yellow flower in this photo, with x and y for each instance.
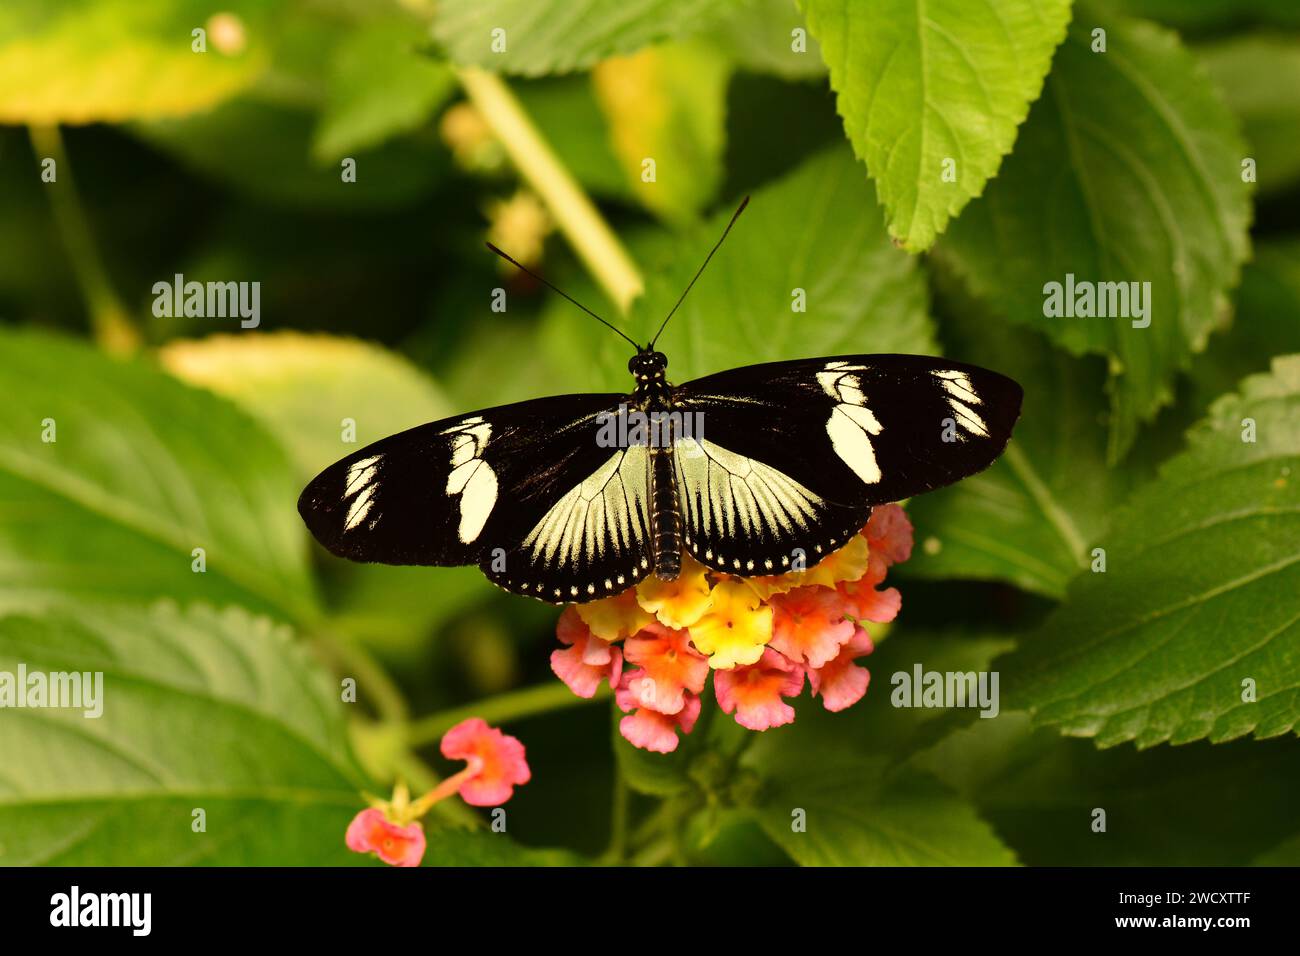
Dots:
(849, 563)
(735, 629)
(616, 617)
(678, 603)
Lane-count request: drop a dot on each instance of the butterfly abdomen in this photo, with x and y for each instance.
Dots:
(665, 513)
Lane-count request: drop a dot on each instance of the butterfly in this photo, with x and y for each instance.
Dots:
(753, 471)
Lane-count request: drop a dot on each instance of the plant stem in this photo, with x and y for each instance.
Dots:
(575, 214)
(349, 658)
(514, 705)
(617, 849)
(109, 320)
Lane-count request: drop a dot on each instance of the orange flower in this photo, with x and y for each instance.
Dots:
(678, 603)
(754, 693)
(735, 629)
(670, 667)
(496, 762)
(809, 625)
(371, 832)
(841, 683)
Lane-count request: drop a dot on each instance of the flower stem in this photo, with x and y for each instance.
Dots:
(542, 699)
(109, 320)
(576, 215)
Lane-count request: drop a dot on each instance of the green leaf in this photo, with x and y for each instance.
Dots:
(481, 848)
(143, 470)
(921, 85)
(1128, 170)
(1199, 805)
(1259, 77)
(379, 88)
(1030, 517)
(565, 110)
(1263, 325)
(559, 36)
(1201, 593)
(201, 709)
(86, 61)
(857, 812)
(305, 387)
(812, 230)
(667, 105)
(274, 162)
(759, 37)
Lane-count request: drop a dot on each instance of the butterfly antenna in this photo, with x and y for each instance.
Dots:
(734, 216)
(524, 269)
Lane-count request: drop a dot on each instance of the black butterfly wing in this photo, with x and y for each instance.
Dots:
(790, 457)
(527, 491)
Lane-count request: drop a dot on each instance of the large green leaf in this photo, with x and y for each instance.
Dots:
(924, 83)
(1133, 151)
(1199, 805)
(849, 772)
(558, 36)
(1263, 323)
(760, 36)
(303, 386)
(379, 87)
(1030, 518)
(143, 471)
(1201, 594)
(857, 812)
(201, 709)
(85, 61)
(812, 230)
(1259, 76)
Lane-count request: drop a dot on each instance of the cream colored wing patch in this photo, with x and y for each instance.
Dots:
(962, 399)
(852, 424)
(472, 480)
(608, 510)
(724, 494)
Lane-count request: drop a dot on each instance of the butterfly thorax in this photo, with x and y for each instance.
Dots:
(653, 397)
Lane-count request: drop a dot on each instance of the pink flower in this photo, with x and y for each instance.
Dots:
(865, 603)
(647, 728)
(840, 682)
(496, 762)
(587, 660)
(371, 832)
(809, 625)
(670, 668)
(889, 533)
(753, 693)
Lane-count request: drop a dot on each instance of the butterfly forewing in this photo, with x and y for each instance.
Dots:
(526, 491)
(789, 457)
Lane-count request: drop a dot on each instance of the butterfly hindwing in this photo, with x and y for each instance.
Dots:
(511, 489)
(789, 457)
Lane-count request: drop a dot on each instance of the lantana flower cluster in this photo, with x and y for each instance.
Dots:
(760, 637)
(495, 765)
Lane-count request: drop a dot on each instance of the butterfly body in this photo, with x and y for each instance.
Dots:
(753, 471)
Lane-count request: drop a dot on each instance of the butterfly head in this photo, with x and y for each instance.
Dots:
(648, 366)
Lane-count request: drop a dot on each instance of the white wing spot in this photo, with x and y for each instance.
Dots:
(961, 397)
(471, 479)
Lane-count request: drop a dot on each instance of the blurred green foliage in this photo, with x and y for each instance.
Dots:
(327, 149)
